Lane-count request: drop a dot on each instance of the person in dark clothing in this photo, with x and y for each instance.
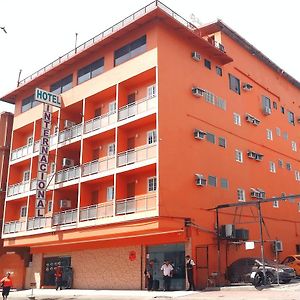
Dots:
(67, 277)
(149, 274)
(58, 277)
(189, 271)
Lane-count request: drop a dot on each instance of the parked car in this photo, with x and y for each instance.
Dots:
(250, 269)
(293, 261)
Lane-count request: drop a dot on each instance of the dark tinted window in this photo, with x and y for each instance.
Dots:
(28, 103)
(234, 84)
(212, 181)
(91, 70)
(207, 63)
(210, 137)
(291, 117)
(62, 85)
(219, 71)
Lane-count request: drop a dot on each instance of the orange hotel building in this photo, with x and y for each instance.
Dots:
(161, 121)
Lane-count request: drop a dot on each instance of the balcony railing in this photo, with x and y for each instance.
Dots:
(38, 223)
(67, 174)
(21, 152)
(136, 204)
(14, 227)
(100, 122)
(136, 108)
(97, 166)
(18, 188)
(65, 217)
(70, 133)
(93, 212)
(136, 155)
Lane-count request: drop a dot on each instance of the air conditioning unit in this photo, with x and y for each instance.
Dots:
(67, 162)
(68, 124)
(196, 56)
(247, 87)
(198, 92)
(227, 231)
(199, 134)
(267, 111)
(200, 180)
(277, 246)
(65, 203)
(257, 193)
(251, 154)
(252, 120)
(259, 156)
(242, 234)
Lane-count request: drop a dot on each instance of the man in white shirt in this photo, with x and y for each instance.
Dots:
(189, 271)
(167, 271)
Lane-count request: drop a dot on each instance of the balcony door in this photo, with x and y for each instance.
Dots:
(130, 203)
(131, 105)
(130, 150)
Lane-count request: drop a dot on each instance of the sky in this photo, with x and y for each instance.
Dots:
(40, 31)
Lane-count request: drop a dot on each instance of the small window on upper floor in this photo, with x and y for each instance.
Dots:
(62, 85)
(280, 163)
(222, 142)
(236, 119)
(269, 135)
(294, 146)
(110, 193)
(241, 194)
(224, 183)
(276, 204)
(151, 91)
(212, 181)
(288, 166)
(285, 135)
(282, 109)
(238, 156)
(219, 71)
(266, 102)
(278, 131)
(111, 149)
(210, 137)
(207, 63)
(151, 186)
(234, 84)
(297, 175)
(28, 103)
(130, 50)
(272, 167)
(30, 141)
(274, 105)
(26, 175)
(291, 118)
(151, 137)
(23, 211)
(91, 70)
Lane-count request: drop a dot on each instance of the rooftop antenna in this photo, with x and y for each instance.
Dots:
(76, 34)
(195, 20)
(19, 77)
(3, 28)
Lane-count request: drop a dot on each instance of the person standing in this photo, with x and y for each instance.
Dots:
(6, 284)
(167, 271)
(58, 277)
(149, 274)
(190, 272)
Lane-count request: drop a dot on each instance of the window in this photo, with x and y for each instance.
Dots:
(210, 138)
(130, 50)
(282, 109)
(266, 102)
(30, 141)
(151, 137)
(151, 91)
(209, 97)
(222, 142)
(90, 71)
(111, 148)
(272, 167)
(151, 184)
(49, 206)
(278, 131)
(236, 119)
(62, 85)
(241, 194)
(280, 163)
(294, 146)
(220, 103)
(207, 64)
(110, 193)
(269, 135)
(285, 135)
(112, 107)
(239, 156)
(291, 118)
(298, 248)
(288, 166)
(28, 103)
(224, 183)
(26, 175)
(274, 105)
(212, 181)
(23, 211)
(276, 204)
(234, 84)
(95, 196)
(297, 175)
(219, 71)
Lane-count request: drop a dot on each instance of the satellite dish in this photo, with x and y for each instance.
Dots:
(195, 20)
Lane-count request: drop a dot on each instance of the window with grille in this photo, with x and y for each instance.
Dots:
(238, 156)
(212, 181)
(241, 194)
(26, 175)
(151, 184)
(236, 119)
(209, 97)
(110, 194)
(23, 211)
(151, 137)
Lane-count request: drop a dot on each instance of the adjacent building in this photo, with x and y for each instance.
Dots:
(160, 122)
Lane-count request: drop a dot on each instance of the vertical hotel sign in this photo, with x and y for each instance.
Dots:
(48, 99)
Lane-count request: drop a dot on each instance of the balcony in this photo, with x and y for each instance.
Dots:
(100, 122)
(21, 187)
(14, 227)
(97, 166)
(136, 108)
(66, 217)
(136, 204)
(93, 212)
(38, 223)
(136, 155)
(67, 174)
(21, 152)
(70, 133)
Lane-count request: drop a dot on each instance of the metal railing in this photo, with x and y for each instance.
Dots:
(65, 217)
(136, 108)
(14, 227)
(21, 152)
(135, 155)
(136, 204)
(67, 174)
(18, 188)
(38, 223)
(100, 122)
(98, 211)
(97, 166)
(70, 133)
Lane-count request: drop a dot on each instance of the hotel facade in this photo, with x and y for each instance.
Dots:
(160, 123)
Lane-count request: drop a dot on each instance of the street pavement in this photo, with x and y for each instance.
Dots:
(282, 292)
